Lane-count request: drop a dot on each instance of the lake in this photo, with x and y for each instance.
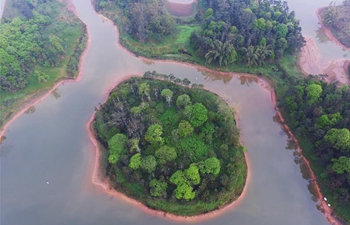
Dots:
(47, 164)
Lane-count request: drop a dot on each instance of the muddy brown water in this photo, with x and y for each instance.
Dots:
(47, 161)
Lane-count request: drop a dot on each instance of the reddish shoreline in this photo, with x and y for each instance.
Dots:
(328, 32)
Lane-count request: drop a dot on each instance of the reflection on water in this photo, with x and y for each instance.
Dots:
(321, 36)
(30, 110)
(214, 76)
(55, 94)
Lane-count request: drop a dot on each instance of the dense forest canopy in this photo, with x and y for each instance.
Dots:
(319, 113)
(247, 31)
(172, 147)
(33, 38)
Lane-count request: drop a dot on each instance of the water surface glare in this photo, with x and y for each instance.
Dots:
(51, 145)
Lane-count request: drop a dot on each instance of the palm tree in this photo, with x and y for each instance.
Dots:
(220, 52)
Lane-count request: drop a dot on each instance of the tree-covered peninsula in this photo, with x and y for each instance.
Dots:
(40, 43)
(171, 147)
(225, 33)
(337, 19)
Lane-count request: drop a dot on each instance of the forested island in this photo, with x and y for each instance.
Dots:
(171, 147)
(40, 43)
(337, 19)
(263, 38)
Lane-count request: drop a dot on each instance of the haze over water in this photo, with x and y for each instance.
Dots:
(51, 144)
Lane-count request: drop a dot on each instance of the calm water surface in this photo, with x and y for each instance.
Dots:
(50, 144)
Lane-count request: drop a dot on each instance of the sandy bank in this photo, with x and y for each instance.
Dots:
(311, 62)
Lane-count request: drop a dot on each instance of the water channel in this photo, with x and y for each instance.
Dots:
(46, 170)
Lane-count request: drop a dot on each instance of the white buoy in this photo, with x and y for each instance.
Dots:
(47, 182)
(329, 205)
(325, 198)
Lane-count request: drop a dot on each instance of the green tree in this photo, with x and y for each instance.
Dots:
(135, 161)
(313, 92)
(157, 188)
(184, 191)
(165, 154)
(116, 147)
(149, 163)
(144, 90)
(210, 165)
(281, 30)
(221, 52)
(199, 114)
(192, 174)
(185, 129)
(168, 94)
(209, 13)
(339, 138)
(134, 145)
(341, 165)
(183, 101)
(153, 135)
(178, 177)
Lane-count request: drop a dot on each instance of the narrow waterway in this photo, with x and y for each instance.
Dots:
(46, 168)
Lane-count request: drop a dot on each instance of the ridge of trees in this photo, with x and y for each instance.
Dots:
(172, 147)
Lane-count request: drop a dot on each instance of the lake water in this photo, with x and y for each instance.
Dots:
(47, 163)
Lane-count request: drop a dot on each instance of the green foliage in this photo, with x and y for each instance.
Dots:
(193, 147)
(116, 147)
(149, 163)
(209, 13)
(185, 129)
(167, 94)
(135, 161)
(157, 188)
(313, 92)
(153, 134)
(183, 101)
(144, 90)
(341, 165)
(192, 174)
(165, 154)
(339, 138)
(211, 166)
(198, 114)
(184, 191)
